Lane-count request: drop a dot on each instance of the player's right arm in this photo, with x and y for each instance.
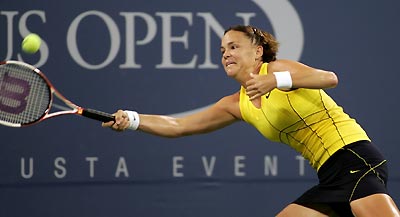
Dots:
(223, 113)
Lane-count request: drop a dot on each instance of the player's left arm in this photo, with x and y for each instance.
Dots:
(301, 75)
(304, 76)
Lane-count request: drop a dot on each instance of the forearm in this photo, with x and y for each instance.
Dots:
(316, 80)
(304, 76)
(160, 125)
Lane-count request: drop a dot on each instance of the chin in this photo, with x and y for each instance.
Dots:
(230, 72)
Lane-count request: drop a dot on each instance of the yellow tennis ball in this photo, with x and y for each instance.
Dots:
(31, 43)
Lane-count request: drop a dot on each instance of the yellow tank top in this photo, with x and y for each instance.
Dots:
(307, 120)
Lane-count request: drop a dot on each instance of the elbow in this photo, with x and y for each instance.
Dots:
(331, 80)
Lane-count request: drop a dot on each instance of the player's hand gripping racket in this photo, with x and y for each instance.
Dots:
(26, 97)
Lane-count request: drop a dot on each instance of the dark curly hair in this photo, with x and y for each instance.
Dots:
(259, 37)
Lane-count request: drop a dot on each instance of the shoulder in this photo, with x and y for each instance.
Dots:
(281, 65)
(230, 104)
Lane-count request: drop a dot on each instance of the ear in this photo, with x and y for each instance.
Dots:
(259, 51)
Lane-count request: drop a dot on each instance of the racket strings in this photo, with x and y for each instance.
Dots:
(24, 94)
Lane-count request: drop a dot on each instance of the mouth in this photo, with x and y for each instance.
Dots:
(229, 63)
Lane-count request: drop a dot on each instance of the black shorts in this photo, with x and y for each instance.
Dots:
(355, 171)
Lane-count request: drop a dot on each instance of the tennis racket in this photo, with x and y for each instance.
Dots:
(26, 97)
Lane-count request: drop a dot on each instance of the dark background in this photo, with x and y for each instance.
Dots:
(355, 39)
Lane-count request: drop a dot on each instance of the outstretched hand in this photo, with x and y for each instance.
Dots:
(259, 85)
(121, 122)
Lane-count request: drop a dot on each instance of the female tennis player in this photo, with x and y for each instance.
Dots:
(286, 102)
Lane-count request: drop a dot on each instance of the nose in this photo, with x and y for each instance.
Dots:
(225, 55)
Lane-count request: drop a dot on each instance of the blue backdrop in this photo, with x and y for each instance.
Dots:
(163, 57)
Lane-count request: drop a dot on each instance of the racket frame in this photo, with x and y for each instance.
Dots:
(54, 92)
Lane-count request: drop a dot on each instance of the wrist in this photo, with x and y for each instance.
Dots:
(283, 80)
(134, 119)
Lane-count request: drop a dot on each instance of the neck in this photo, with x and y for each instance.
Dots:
(246, 76)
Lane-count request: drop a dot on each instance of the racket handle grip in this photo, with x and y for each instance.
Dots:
(97, 115)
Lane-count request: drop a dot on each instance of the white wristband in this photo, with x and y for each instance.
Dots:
(283, 80)
(133, 119)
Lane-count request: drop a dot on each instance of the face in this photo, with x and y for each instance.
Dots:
(238, 54)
